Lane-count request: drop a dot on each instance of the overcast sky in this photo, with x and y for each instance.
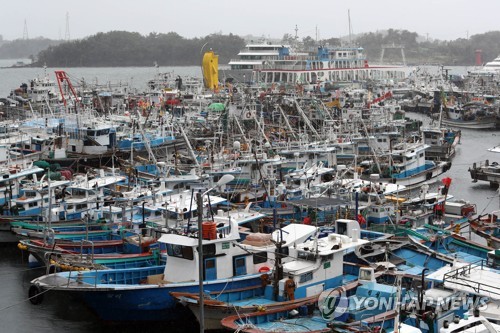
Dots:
(437, 19)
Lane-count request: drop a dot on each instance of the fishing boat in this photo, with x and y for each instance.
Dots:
(370, 307)
(408, 166)
(118, 294)
(312, 267)
(473, 115)
(433, 306)
(398, 254)
(486, 171)
(487, 228)
(84, 253)
(442, 142)
(435, 239)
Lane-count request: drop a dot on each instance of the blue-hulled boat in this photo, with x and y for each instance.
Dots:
(398, 254)
(443, 242)
(143, 293)
(312, 267)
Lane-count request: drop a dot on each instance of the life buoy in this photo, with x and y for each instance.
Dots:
(264, 269)
(35, 294)
(248, 115)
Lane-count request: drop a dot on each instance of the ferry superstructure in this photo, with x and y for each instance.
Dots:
(322, 67)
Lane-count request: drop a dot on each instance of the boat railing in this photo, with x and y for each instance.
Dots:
(79, 277)
(47, 259)
(84, 241)
(224, 231)
(464, 277)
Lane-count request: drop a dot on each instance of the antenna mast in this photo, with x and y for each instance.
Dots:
(66, 35)
(25, 31)
(350, 27)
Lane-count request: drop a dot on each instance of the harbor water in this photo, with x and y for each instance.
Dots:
(66, 315)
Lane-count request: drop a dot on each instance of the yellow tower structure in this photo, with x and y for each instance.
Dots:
(210, 66)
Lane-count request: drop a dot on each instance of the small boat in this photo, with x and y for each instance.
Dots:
(43, 250)
(473, 115)
(433, 307)
(398, 254)
(488, 228)
(443, 242)
(371, 305)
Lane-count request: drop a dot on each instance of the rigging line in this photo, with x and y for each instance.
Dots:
(489, 202)
(21, 270)
(29, 298)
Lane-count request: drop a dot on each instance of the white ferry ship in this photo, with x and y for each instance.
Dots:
(280, 64)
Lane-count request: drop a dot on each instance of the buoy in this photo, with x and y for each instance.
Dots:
(35, 294)
(209, 230)
(264, 269)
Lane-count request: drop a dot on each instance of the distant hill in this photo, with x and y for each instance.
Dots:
(25, 48)
(122, 48)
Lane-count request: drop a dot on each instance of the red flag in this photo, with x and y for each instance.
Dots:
(446, 181)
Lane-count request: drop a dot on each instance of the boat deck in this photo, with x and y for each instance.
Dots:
(256, 301)
(475, 278)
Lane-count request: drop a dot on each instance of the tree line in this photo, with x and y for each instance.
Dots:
(122, 48)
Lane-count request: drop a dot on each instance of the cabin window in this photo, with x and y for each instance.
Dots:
(306, 277)
(259, 258)
(179, 251)
(209, 250)
(421, 155)
(306, 256)
(33, 204)
(284, 251)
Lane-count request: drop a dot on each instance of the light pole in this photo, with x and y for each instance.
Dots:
(199, 199)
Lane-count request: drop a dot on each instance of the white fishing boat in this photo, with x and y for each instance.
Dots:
(406, 165)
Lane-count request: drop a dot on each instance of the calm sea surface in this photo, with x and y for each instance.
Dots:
(64, 315)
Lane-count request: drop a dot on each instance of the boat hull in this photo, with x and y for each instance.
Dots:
(420, 177)
(491, 124)
(135, 302)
